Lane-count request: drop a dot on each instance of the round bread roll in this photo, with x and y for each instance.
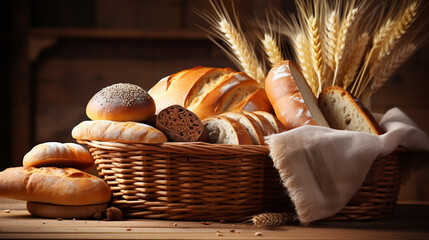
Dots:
(121, 102)
(55, 154)
(48, 210)
(125, 132)
(62, 186)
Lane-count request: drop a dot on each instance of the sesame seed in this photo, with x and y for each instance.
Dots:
(122, 94)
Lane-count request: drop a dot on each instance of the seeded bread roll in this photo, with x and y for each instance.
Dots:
(126, 132)
(48, 210)
(344, 112)
(226, 130)
(55, 154)
(62, 186)
(210, 91)
(121, 102)
(293, 101)
(180, 125)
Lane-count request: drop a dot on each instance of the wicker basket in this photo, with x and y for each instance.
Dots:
(202, 181)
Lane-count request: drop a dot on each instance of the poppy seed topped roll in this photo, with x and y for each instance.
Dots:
(121, 102)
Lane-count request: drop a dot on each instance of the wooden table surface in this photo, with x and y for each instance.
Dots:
(410, 221)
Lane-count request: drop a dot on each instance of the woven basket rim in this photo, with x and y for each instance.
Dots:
(200, 148)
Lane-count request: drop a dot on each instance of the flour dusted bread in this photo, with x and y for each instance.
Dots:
(55, 154)
(48, 210)
(126, 132)
(293, 101)
(344, 112)
(121, 102)
(226, 130)
(210, 91)
(62, 186)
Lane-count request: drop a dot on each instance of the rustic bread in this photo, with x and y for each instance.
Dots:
(180, 125)
(226, 130)
(48, 210)
(121, 102)
(251, 126)
(62, 186)
(209, 91)
(55, 154)
(273, 120)
(293, 101)
(344, 112)
(126, 132)
(266, 127)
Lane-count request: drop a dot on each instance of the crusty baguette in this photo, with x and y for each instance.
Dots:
(226, 130)
(273, 120)
(344, 112)
(293, 101)
(251, 126)
(55, 154)
(126, 132)
(63, 186)
(209, 91)
(48, 210)
(266, 127)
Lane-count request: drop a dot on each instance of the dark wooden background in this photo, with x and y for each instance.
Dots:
(56, 54)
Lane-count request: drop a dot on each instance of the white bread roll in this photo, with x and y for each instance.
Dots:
(251, 126)
(55, 154)
(225, 130)
(344, 112)
(293, 101)
(121, 102)
(62, 186)
(210, 91)
(273, 120)
(48, 210)
(126, 132)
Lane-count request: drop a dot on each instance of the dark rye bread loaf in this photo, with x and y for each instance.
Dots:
(180, 125)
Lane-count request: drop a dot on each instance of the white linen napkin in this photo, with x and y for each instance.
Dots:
(322, 168)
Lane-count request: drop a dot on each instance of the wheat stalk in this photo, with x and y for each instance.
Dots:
(272, 49)
(345, 38)
(316, 50)
(355, 59)
(274, 219)
(303, 55)
(330, 43)
(391, 65)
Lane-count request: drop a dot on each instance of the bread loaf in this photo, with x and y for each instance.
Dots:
(48, 210)
(180, 125)
(55, 154)
(62, 186)
(273, 120)
(251, 126)
(209, 91)
(121, 102)
(266, 127)
(293, 101)
(126, 132)
(226, 130)
(344, 112)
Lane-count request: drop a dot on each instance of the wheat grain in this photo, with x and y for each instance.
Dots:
(274, 219)
(330, 43)
(316, 50)
(355, 60)
(272, 49)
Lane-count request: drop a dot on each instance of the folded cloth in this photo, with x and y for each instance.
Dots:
(322, 168)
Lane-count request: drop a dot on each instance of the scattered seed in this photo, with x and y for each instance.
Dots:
(128, 229)
(59, 219)
(7, 211)
(258, 234)
(219, 234)
(232, 230)
(174, 224)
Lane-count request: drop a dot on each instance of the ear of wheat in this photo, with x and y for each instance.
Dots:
(274, 219)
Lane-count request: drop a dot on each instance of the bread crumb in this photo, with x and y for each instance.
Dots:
(7, 211)
(59, 219)
(113, 214)
(205, 223)
(174, 224)
(128, 229)
(232, 230)
(258, 234)
(219, 234)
